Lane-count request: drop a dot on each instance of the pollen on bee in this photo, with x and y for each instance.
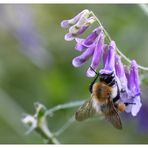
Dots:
(121, 107)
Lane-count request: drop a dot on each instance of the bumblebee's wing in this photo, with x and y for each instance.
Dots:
(112, 115)
(85, 111)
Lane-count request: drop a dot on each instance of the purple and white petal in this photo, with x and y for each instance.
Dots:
(80, 60)
(74, 20)
(65, 24)
(90, 21)
(127, 74)
(78, 29)
(79, 44)
(134, 82)
(74, 29)
(83, 19)
(131, 82)
(134, 68)
(134, 89)
(136, 107)
(120, 71)
(81, 30)
(69, 37)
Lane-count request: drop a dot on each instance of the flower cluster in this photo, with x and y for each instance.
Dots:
(78, 24)
(94, 46)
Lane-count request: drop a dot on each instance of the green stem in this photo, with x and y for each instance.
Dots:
(64, 106)
(47, 135)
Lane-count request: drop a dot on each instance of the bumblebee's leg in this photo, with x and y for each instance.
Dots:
(92, 83)
(128, 103)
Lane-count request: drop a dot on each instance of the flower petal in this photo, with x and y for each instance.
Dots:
(89, 41)
(80, 60)
(83, 19)
(65, 24)
(127, 74)
(134, 83)
(110, 60)
(120, 72)
(136, 76)
(119, 66)
(79, 45)
(96, 56)
(81, 30)
(105, 52)
(136, 107)
(92, 37)
(74, 20)
(90, 73)
(69, 37)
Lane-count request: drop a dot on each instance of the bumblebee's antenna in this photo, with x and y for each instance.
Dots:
(94, 71)
(92, 83)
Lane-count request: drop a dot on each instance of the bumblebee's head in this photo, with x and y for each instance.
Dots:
(108, 78)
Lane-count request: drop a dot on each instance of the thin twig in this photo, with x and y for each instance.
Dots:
(64, 106)
(117, 49)
(65, 126)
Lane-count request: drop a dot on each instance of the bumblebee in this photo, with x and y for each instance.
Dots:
(105, 96)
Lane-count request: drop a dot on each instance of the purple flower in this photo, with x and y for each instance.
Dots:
(122, 83)
(109, 66)
(74, 20)
(134, 87)
(93, 46)
(134, 83)
(71, 36)
(78, 24)
(96, 56)
(80, 60)
(128, 83)
(89, 41)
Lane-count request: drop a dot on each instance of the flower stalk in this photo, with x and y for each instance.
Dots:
(38, 122)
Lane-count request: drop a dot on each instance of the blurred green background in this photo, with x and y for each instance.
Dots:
(35, 65)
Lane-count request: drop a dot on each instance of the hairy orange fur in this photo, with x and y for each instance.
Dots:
(101, 92)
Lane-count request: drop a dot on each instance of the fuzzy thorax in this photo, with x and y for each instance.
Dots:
(101, 92)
